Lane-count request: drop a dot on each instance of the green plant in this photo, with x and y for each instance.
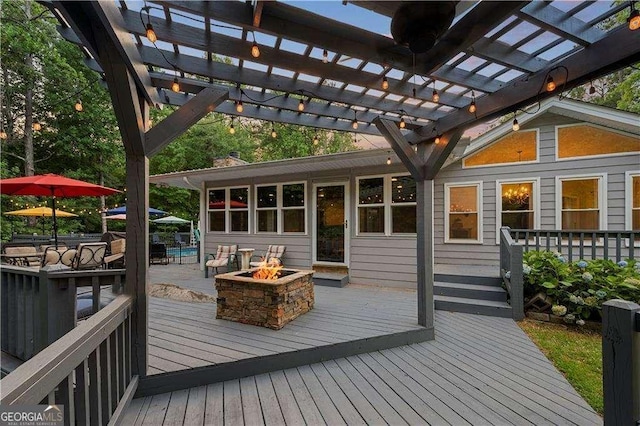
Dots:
(582, 286)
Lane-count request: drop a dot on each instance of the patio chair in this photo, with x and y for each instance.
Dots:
(61, 256)
(116, 255)
(225, 256)
(89, 256)
(273, 252)
(158, 253)
(22, 255)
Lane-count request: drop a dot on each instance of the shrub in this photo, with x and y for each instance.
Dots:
(582, 286)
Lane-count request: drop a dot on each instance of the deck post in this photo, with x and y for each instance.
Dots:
(621, 362)
(424, 229)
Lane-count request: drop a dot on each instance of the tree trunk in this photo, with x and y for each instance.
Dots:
(29, 168)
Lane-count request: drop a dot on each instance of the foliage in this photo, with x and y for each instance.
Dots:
(577, 353)
(582, 286)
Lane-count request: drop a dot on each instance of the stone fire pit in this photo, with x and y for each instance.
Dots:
(267, 303)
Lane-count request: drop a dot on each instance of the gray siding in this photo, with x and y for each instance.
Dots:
(546, 169)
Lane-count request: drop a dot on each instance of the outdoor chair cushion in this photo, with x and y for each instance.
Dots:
(117, 252)
(63, 256)
(225, 256)
(29, 255)
(89, 256)
(273, 252)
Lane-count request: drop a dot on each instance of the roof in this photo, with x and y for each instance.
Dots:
(582, 111)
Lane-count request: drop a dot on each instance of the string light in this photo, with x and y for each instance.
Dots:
(634, 18)
(301, 105)
(315, 139)
(402, 123)
(273, 131)
(239, 107)
(388, 161)
(151, 35)
(385, 83)
(325, 56)
(175, 86)
(472, 105)
(232, 129)
(37, 126)
(255, 50)
(354, 123)
(516, 125)
(551, 85)
(78, 106)
(437, 139)
(435, 97)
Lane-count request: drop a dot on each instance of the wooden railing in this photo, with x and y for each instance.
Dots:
(576, 245)
(621, 362)
(88, 370)
(511, 272)
(39, 306)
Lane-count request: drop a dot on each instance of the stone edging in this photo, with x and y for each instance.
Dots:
(544, 317)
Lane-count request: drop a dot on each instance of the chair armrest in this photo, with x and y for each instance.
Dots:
(210, 256)
(231, 260)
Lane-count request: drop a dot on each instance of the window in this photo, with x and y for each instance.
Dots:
(463, 216)
(515, 147)
(517, 205)
(231, 203)
(386, 205)
(633, 201)
(581, 204)
(585, 140)
(281, 208)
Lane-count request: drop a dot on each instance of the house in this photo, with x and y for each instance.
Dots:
(571, 165)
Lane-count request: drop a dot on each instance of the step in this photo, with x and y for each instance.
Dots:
(473, 306)
(469, 279)
(470, 291)
(330, 280)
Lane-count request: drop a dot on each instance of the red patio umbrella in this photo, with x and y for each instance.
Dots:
(54, 186)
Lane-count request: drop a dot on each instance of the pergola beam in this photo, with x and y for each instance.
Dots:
(440, 153)
(405, 152)
(182, 119)
(503, 54)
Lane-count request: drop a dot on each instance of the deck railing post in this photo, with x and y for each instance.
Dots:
(60, 305)
(621, 362)
(517, 284)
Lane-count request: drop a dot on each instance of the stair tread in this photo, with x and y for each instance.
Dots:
(481, 287)
(329, 275)
(478, 302)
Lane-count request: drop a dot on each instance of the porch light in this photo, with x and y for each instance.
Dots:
(301, 105)
(551, 85)
(435, 97)
(516, 125)
(239, 107)
(255, 50)
(78, 105)
(634, 18)
(385, 83)
(151, 35)
(37, 126)
(325, 56)
(175, 86)
(402, 123)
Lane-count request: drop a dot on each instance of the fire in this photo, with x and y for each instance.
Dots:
(268, 270)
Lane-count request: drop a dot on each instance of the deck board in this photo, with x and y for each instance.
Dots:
(478, 370)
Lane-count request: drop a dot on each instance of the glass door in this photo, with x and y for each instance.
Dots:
(330, 224)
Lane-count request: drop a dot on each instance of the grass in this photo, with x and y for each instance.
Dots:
(577, 353)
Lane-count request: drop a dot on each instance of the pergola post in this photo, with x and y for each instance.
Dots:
(424, 252)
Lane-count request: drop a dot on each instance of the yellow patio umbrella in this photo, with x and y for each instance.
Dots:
(41, 212)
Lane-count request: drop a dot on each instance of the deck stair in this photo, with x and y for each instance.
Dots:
(330, 276)
(481, 295)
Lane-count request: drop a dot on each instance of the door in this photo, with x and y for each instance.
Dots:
(330, 228)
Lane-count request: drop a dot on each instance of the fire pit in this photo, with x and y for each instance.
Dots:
(265, 302)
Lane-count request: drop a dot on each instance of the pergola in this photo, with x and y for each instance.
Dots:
(312, 70)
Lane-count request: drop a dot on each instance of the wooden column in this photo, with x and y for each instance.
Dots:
(425, 254)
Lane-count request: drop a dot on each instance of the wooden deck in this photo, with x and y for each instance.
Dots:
(478, 370)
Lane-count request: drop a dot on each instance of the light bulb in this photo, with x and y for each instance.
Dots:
(437, 140)
(634, 20)
(516, 125)
(3, 134)
(273, 133)
(301, 105)
(255, 50)
(354, 124)
(151, 35)
(315, 140)
(232, 129)
(472, 106)
(402, 123)
(325, 56)
(175, 86)
(385, 83)
(435, 97)
(239, 107)
(551, 85)
(37, 126)
(388, 160)
(78, 105)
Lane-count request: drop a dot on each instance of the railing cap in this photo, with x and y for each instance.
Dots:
(622, 304)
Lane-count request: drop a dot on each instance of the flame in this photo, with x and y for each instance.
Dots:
(268, 270)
